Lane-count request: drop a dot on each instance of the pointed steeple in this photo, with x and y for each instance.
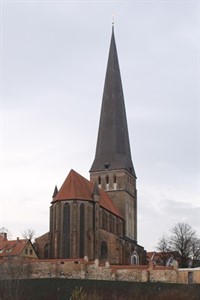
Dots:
(55, 192)
(113, 147)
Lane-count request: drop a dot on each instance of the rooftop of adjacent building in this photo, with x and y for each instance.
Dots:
(12, 247)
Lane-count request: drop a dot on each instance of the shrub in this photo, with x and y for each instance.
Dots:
(78, 294)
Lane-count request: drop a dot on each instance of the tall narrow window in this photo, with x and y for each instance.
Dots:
(134, 258)
(117, 228)
(107, 182)
(54, 217)
(57, 210)
(51, 219)
(46, 251)
(110, 223)
(103, 219)
(115, 182)
(99, 180)
(82, 230)
(104, 250)
(66, 231)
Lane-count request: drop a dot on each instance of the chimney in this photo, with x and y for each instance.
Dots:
(4, 235)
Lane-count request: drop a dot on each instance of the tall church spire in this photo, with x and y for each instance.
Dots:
(113, 147)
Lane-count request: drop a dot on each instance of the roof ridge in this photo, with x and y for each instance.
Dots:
(77, 187)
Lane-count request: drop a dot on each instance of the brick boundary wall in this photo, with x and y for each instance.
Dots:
(84, 269)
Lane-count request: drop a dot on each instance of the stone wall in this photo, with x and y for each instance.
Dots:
(84, 269)
(58, 269)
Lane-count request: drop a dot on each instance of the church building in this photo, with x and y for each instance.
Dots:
(98, 218)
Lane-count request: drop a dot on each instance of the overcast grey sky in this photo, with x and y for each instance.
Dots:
(53, 63)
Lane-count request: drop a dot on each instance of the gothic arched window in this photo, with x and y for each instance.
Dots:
(103, 219)
(115, 182)
(134, 258)
(107, 179)
(46, 251)
(110, 223)
(82, 230)
(104, 250)
(107, 182)
(66, 230)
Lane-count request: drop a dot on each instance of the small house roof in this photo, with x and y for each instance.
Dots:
(12, 247)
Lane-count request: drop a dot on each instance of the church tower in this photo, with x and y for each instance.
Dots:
(98, 218)
(112, 168)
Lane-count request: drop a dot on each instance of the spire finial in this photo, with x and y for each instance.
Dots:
(113, 21)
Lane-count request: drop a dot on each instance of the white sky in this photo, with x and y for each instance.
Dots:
(53, 63)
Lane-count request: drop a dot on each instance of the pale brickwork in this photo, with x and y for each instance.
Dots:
(83, 269)
(121, 188)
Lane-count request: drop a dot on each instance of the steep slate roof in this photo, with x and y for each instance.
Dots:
(76, 187)
(113, 147)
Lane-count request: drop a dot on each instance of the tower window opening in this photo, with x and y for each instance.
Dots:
(115, 182)
(115, 179)
(107, 179)
(99, 180)
(107, 182)
(106, 166)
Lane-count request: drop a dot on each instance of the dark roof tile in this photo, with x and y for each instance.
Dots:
(113, 147)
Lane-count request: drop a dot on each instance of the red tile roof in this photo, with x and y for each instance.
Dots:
(160, 258)
(76, 187)
(12, 247)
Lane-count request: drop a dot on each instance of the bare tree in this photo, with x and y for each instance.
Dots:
(164, 247)
(196, 248)
(12, 275)
(184, 241)
(164, 244)
(29, 234)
